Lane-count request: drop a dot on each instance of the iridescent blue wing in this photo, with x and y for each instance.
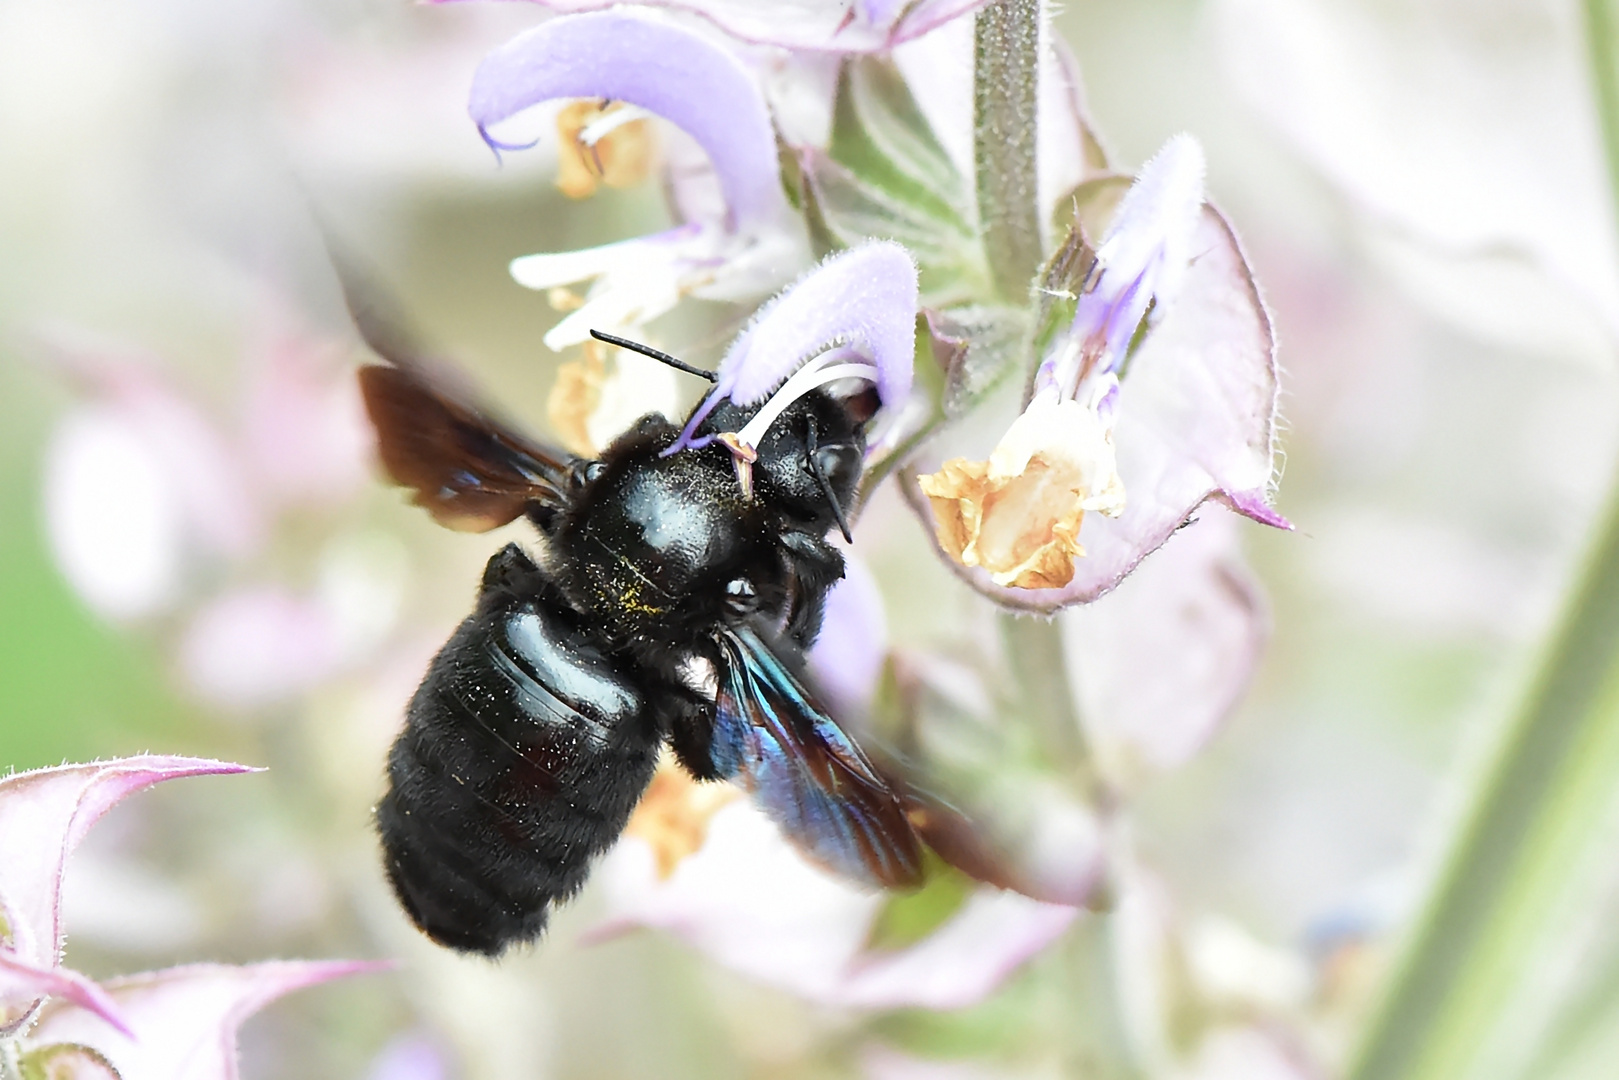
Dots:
(805, 772)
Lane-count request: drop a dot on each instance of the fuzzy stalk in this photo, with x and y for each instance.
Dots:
(1006, 84)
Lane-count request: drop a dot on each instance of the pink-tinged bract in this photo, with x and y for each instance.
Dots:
(43, 816)
(184, 1020)
(1160, 662)
(23, 985)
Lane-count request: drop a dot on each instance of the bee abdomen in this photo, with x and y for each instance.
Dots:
(524, 752)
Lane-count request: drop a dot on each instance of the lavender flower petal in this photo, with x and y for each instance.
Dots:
(665, 69)
(864, 298)
(184, 1019)
(959, 964)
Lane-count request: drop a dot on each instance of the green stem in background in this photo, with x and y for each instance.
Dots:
(1041, 691)
(1522, 865)
(1602, 36)
(1006, 85)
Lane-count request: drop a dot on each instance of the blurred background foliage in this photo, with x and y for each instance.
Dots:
(156, 159)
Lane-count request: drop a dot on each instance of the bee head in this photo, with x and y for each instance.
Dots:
(654, 543)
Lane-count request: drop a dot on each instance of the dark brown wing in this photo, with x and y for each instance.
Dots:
(805, 772)
(468, 471)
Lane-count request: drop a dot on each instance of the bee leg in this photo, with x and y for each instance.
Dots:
(690, 726)
(816, 565)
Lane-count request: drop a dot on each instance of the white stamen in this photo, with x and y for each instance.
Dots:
(817, 372)
(608, 122)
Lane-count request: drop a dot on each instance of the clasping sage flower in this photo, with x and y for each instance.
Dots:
(1018, 514)
(747, 248)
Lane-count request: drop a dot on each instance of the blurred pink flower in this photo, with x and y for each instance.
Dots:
(411, 1056)
(143, 487)
(146, 493)
(255, 645)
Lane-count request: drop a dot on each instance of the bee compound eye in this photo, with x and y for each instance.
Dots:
(840, 464)
(740, 595)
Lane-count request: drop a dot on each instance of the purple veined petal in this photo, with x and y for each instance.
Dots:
(812, 25)
(864, 298)
(749, 901)
(962, 962)
(43, 816)
(1160, 662)
(1196, 420)
(1154, 225)
(665, 69)
(22, 985)
(185, 1019)
(847, 658)
(1143, 257)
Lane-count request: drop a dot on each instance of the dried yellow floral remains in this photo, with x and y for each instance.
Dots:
(1018, 514)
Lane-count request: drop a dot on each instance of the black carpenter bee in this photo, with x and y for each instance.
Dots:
(672, 600)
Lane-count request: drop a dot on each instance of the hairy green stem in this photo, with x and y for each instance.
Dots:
(1466, 995)
(1039, 671)
(1006, 85)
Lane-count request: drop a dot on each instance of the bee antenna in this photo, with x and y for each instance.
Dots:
(825, 484)
(661, 357)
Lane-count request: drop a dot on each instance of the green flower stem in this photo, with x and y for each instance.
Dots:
(1043, 695)
(1006, 84)
(1522, 864)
